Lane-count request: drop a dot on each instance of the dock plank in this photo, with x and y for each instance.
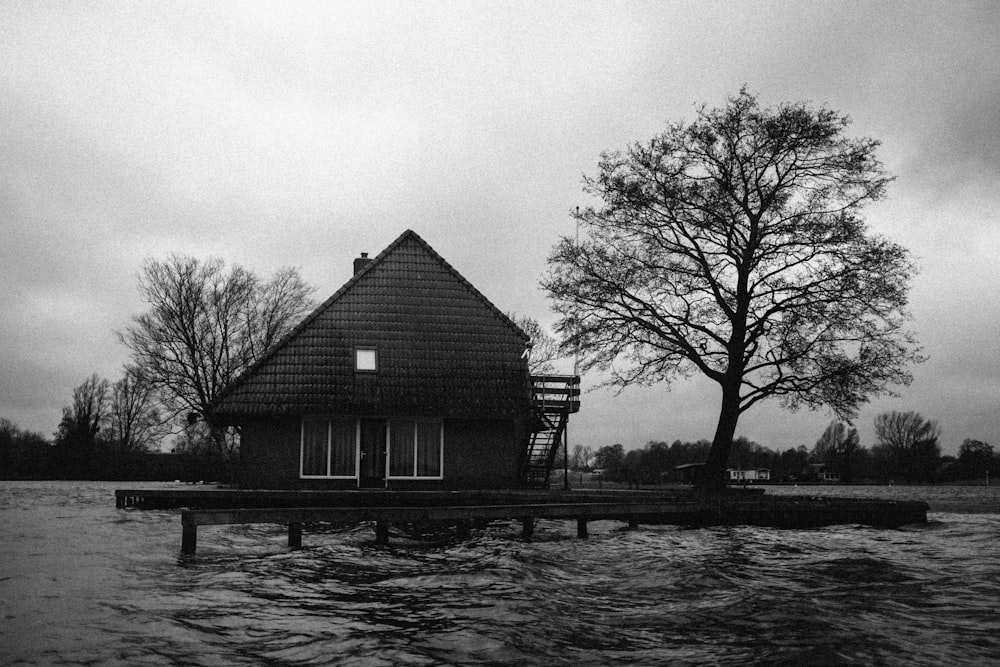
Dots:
(593, 511)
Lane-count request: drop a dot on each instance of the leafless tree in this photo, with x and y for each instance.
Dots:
(206, 324)
(837, 447)
(733, 247)
(544, 348)
(581, 457)
(83, 421)
(832, 440)
(975, 458)
(911, 442)
(134, 420)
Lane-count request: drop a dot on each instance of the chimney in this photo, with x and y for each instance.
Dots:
(361, 262)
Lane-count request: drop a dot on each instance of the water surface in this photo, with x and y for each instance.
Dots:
(83, 582)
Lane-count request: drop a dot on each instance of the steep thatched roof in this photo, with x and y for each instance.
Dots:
(443, 349)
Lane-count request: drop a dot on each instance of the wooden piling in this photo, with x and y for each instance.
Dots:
(382, 532)
(294, 535)
(189, 535)
(633, 522)
(581, 528)
(462, 530)
(527, 527)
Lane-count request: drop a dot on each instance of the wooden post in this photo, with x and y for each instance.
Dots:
(294, 535)
(527, 527)
(462, 529)
(581, 528)
(633, 522)
(189, 536)
(566, 451)
(382, 532)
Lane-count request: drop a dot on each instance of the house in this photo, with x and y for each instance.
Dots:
(689, 473)
(820, 472)
(742, 476)
(406, 378)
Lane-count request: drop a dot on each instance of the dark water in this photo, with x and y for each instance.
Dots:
(82, 582)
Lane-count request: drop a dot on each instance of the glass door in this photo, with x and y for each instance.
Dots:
(372, 453)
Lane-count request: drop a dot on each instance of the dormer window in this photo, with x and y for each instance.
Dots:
(365, 360)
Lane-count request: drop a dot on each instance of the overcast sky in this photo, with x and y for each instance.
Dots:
(301, 134)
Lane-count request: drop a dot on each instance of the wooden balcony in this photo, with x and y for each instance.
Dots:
(556, 393)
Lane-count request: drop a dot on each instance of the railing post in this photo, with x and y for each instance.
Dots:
(565, 444)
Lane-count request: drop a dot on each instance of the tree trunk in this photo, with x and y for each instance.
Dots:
(714, 475)
(845, 470)
(226, 456)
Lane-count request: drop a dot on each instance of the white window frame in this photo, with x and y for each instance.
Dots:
(357, 359)
(388, 447)
(329, 450)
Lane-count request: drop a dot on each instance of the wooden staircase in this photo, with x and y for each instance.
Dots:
(554, 398)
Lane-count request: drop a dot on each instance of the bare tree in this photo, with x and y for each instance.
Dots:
(975, 458)
(581, 457)
(82, 423)
(134, 420)
(24, 454)
(733, 247)
(911, 442)
(837, 447)
(205, 326)
(544, 348)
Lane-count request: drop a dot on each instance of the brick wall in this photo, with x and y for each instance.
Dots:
(478, 454)
(269, 453)
(481, 453)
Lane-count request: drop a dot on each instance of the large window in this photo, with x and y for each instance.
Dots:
(415, 449)
(329, 448)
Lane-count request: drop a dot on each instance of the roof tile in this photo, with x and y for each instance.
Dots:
(443, 348)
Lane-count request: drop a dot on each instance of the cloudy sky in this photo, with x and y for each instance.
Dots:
(301, 134)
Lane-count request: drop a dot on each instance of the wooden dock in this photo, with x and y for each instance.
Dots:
(383, 517)
(209, 497)
(207, 507)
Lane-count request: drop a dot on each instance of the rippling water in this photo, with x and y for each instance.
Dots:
(82, 582)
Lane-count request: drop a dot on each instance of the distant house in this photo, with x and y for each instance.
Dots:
(689, 473)
(407, 378)
(743, 476)
(820, 472)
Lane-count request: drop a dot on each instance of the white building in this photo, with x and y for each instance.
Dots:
(741, 476)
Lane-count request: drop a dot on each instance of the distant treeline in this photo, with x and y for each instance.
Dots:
(80, 453)
(657, 462)
(26, 455)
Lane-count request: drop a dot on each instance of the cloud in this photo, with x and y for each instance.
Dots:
(302, 134)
